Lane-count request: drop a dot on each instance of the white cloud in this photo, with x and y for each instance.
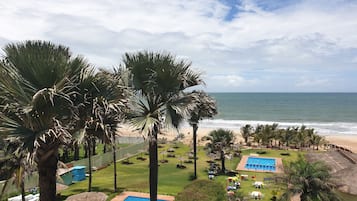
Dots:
(312, 82)
(312, 36)
(232, 80)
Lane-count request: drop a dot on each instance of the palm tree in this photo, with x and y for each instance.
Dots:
(316, 141)
(219, 141)
(100, 100)
(111, 111)
(15, 166)
(37, 82)
(258, 133)
(205, 107)
(301, 137)
(246, 132)
(159, 81)
(310, 180)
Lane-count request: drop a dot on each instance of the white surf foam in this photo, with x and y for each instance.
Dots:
(323, 128)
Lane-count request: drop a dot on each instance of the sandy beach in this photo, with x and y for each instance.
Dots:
(347, 141)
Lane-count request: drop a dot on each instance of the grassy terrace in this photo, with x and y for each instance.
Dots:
(172, 180)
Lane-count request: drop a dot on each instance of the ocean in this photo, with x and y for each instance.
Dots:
(327, 113)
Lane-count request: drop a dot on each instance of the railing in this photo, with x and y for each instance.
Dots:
(103, 160)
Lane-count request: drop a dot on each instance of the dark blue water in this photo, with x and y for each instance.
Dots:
(329, 113)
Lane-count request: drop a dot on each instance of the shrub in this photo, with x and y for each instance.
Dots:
(191, 176)
(192, 157)
(285, 154)
(171, 155)
(126, 162)
(180, 166)
(261, 152)
(162, 140)
(140, 158)
(171, 150)
(188, 161)
(164, 161)
(202, 190)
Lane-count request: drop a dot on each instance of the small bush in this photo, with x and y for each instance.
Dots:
(164, 161)
(171, 150)
(192, 157)
(180, 166)
(162, 140)
(191, 177)
(180, 136)
(202, 190)
(126, 162)
(285, 154)
(140, 158)
(188, 161)
(171, 155)
(261, 152)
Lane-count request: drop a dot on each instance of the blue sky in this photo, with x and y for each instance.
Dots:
(238, 45)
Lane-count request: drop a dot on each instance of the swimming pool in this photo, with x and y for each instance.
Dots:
(257, 163)
(134, 198)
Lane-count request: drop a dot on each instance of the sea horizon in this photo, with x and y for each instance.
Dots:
(329, 113)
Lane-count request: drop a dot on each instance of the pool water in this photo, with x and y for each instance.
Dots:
(134, 198)
(264, 164)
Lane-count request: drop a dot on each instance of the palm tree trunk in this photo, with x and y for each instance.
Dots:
(76, 152)
(86, 148)
(94, 144)
(22, 186)
(195, 128)
(47, 160)
(223, 162)
(104, 148)
(65, 155)
(153, 164)
(115, 163)
(89, 165)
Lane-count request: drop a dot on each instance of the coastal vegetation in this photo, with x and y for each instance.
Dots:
(290, 137)
(311, 181)
(52, 101)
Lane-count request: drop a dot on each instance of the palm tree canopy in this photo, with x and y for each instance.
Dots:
(160, 74)
(220, 138)
(205, 107)
(311, 181)
(37, 81)
(160, 80)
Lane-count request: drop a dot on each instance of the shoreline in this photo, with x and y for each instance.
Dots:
(348, 141)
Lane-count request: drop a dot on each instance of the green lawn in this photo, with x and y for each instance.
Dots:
(135, 177)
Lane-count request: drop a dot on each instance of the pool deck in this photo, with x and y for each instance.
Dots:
(278, 166)
(125, 194)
